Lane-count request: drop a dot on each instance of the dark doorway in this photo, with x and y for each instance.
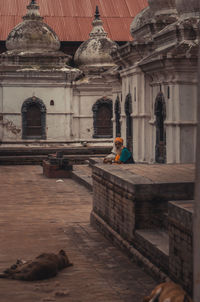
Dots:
(34, 125)
(160, 113)
(117, 118)
(103, 126)
(33, 119)
(129, 122)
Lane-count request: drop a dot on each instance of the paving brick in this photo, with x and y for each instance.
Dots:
(39, 215)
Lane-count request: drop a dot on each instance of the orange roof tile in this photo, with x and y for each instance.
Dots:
(71, 19)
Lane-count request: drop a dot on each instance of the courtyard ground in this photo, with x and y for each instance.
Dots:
(39, 215)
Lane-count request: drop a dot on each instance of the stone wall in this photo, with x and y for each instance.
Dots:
(115, 206)
(132, 211)
(180, 243)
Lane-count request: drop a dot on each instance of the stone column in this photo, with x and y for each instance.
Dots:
(196, 230)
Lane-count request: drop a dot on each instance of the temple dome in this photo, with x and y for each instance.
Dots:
(163, 7)
(188, 8)
(139, 21)
(95, 52)
(32, 34)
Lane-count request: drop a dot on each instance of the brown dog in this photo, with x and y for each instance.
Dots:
(168, 292)
(42, 267)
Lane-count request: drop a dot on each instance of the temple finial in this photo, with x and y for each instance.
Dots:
(97, 14)
(33, 2)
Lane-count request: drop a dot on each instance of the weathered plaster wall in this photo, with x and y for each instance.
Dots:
(57, 116)
(84, 97)
(135, 83)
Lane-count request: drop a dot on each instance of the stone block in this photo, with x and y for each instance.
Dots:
(54, 171)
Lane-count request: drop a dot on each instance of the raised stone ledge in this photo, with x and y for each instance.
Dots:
(130, 204)
(181, 242)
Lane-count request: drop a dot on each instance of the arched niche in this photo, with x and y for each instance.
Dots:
(129, 122)
(102, 118)
(33, 119)
(160, 113)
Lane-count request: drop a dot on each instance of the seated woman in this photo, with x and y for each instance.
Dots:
(123, 155)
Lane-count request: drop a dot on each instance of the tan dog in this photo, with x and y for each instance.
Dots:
(168, 292)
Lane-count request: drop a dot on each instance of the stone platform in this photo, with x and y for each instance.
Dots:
(41, 215)
(35, 155)
(130, 207)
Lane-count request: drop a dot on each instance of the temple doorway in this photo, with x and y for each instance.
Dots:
(129, 122)
(33, 119)
(160, 113)
(117, 118)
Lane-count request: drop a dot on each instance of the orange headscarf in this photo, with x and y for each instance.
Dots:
(119, 139)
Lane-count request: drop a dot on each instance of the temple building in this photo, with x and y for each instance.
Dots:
(44, 99)
(144, 90)
(158, 72)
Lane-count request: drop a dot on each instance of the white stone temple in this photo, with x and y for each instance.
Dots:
(159, 83)
(43, 99)
(144, 91)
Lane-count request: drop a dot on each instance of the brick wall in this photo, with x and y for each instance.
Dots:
(180, 243)
(129, 204)
(114, 205)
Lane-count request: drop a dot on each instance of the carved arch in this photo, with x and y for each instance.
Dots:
(26, 107)
(102, 118)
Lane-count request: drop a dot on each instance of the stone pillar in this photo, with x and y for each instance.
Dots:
(196, 233)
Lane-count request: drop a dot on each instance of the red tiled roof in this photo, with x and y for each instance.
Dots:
(71, 19)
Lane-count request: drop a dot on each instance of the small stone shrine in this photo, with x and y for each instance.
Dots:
(56, 166)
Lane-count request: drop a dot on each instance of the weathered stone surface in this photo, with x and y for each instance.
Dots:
(162, 6)
(188, 8)
(39, 215)
(94, 54)
(32, 33)
(181, 243)
(55, 171)
(132, 200)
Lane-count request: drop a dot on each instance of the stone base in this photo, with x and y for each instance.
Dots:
(54, 171)
(181, 243)
(99, 224)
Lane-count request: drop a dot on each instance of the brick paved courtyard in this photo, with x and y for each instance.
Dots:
(39, 215)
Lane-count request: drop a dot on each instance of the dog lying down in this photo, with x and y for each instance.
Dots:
(42, 267)
(168, 292)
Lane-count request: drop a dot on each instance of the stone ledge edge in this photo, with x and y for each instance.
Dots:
(124, 245)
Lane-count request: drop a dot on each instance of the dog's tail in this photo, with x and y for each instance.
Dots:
(3, 275)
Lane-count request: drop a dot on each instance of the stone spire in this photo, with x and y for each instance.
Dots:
(97, 14)
(32, 34)
(94, 54)
(98, 30)
(33, 12)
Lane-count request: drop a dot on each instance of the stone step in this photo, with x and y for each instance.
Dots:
(154, 245)
(83, 175)
(35, 159)
(22, 151)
